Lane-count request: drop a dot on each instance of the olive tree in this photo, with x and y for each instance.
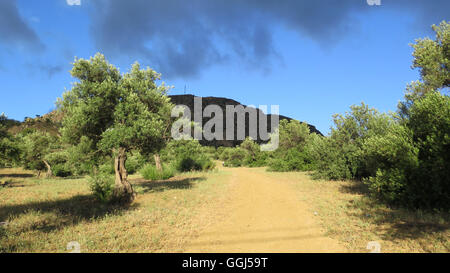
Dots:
(9, 150)
(117, 112)
(35, 147)
(432, 59)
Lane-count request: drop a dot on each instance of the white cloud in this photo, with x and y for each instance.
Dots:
(73, 2)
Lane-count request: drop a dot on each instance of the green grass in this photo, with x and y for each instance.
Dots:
(44, 215)
(150, 172)
(347, 214)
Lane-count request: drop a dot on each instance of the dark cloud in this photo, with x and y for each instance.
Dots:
(40, 69)
(180, 37)
(51, 70)
(14, 31)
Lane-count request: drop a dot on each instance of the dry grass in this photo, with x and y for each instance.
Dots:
(347, 214)
(43, 215)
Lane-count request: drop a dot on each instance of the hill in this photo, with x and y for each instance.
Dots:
(51, 122)
(188, 100)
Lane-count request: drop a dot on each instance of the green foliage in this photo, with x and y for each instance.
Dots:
(341, 156)
(432, 57)
(9, 148)
(234, 157)
(134, 162)
(392, 160)
(330, 160)
(292, 160)
(82, 157)
(107, 167)
(150, 172)
(115, 111)
(293, 153)
(35, 146)
(430, 125)
(58, 161)
(404, 163)
(61, 170)
(255, 157)
(102, 186)
(188, 155)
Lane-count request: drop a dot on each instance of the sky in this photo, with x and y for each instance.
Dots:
(312, 58)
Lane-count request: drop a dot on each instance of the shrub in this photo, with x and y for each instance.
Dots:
(102, 186)
(188, 164)
(429, 121)
(293, 153)
(254, 157)
(392, 161)
(340, 155)
(150, 172)
(188, 155)
(80, 158)
(234, 157)
(291, 160)
(331, 162)
(134, 162)
(107, 168)
(61, 170)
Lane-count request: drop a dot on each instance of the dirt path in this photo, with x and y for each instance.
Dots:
(263, 215)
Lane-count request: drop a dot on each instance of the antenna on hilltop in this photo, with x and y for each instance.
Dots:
(185, 89)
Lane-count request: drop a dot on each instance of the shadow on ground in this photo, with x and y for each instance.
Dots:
(57, 214)
(397, 223)
(16, 175)
(164, 185)
(355, 187)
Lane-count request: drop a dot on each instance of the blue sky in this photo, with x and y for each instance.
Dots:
(313, 58)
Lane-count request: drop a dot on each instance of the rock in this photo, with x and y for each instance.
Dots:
(188, 100)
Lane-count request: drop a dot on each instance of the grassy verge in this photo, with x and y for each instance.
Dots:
(44, 215)
(347, 214)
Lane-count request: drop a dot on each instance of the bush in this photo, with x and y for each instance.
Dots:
(188, 155)
(293, 153)
(429, 121)
(107, 168)
(392, 160)
(340, 155)
(102, 186)
(61, 170)
(188, 164)
(80, 158)
(331, 162)
(150, 172)
(134, 162)
(408, 162)
(254, 157)
(291, 160)
(234, 157)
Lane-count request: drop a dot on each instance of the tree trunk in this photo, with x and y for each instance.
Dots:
(49, 170)
(158, 162)
(123, 191)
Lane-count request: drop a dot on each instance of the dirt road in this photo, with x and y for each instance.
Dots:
(263, 215)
